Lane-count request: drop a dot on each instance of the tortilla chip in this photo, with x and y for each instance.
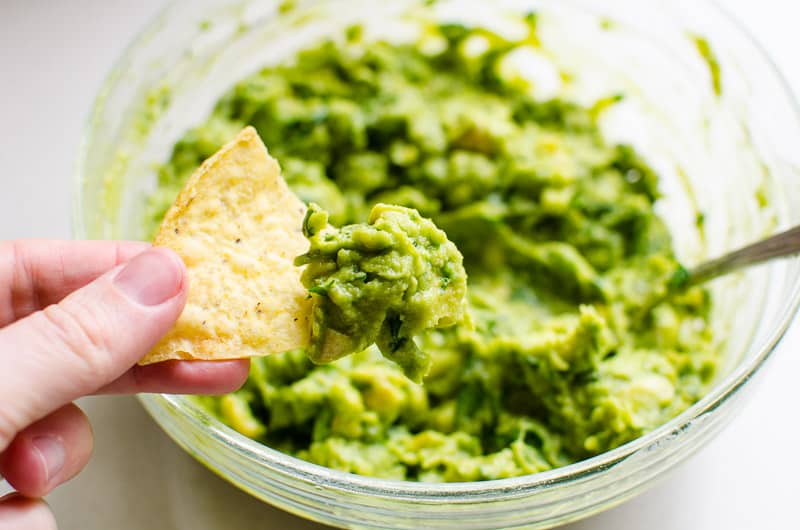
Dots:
(238, 228)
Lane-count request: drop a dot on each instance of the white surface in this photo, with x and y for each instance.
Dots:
(53, 56)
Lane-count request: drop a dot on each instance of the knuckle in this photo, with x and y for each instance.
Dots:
(81, 336)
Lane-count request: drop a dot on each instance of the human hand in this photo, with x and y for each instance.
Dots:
(75, 317)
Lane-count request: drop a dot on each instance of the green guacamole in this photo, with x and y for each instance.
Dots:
(382, 282)
(572, 344)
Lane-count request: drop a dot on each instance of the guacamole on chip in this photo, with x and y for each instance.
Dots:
(564, 352)
(382, 283)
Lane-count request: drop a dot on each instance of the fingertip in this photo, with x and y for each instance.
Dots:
(210, 377)
(48, 452)
(153, 277)
(17, 511)
(236, 373)
(177, 260)
(23, 468)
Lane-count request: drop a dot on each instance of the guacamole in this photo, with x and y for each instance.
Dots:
(573, 343)
(382, 282)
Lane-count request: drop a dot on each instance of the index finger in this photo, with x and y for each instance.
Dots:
(181, 377)
(37, 273)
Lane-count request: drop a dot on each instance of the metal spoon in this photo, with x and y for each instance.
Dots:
(780, 245)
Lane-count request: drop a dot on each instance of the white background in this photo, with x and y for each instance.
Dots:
(54, 55)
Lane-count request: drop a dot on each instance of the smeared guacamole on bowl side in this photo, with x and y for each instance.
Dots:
(571, 346)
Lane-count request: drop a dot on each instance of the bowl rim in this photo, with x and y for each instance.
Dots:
(452, 491)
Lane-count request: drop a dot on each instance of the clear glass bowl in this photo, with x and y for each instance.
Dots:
(733, 157)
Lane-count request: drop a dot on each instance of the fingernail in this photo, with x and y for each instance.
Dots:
(51, 453)
(151, 278)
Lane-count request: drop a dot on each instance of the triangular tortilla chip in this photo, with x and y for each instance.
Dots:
(238, 228)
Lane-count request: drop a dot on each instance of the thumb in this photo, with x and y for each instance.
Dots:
(90, 338)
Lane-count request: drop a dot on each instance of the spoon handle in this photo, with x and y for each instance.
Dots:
(783, 244)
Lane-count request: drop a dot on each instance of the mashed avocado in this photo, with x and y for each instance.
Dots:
(381, 282)
(571, 347)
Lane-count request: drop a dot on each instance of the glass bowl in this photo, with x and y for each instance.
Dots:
(729, 156)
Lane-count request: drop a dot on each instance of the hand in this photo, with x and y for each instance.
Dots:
(75, 317)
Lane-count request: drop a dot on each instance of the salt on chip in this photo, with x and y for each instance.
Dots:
(238, 228)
